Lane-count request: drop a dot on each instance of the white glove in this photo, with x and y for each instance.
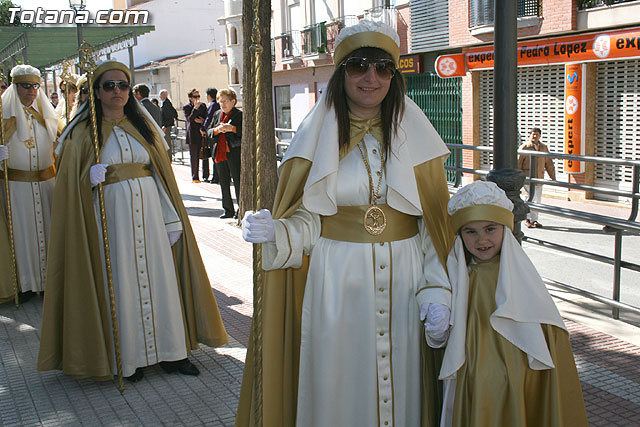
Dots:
(436, 320)
(97, 173)
(174, 236)
(258, 227)
(4, 152)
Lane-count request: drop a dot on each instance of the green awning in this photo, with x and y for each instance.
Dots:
(49, 45)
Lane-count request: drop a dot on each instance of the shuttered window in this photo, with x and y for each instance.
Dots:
(429, 25)
(540, 104)
(617, 126)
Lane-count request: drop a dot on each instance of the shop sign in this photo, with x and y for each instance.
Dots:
(410, 64)
(574, 115)
(622, 44)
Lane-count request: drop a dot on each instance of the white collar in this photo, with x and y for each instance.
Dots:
(317, 140)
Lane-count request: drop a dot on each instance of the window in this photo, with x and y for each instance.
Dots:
(233, 35)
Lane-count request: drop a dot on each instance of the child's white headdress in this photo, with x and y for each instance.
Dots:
(480, 201)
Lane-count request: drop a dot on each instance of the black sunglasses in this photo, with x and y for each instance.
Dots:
(35, 86)
(195, 96)
(85, 90)
(358, 67)
(110, 85)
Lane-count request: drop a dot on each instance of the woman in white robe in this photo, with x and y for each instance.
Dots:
(361, 331)
(164, 308)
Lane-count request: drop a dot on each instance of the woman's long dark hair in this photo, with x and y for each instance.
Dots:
(391, 109)
(131, 110)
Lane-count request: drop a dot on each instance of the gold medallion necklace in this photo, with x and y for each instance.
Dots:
(375, 220)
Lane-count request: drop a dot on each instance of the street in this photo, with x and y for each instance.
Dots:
(607, 352)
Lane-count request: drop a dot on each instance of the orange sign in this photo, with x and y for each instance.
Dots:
(451, 65)
(561, 50)
(574, 122)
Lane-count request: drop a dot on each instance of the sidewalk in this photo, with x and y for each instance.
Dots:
(607, 352)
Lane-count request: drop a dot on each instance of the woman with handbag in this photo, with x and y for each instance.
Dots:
(226, 136)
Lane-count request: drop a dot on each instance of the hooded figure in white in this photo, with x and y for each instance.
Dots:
(508, 359)
(30, 134)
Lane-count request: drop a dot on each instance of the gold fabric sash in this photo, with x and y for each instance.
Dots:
(125, 171)
(348, 225)
(29, 176)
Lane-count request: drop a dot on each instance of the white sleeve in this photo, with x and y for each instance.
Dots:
(436, 288)
(295, 237)
(169, 213)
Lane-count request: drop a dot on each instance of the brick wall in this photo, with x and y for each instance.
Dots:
(404, 28)
(557, 16)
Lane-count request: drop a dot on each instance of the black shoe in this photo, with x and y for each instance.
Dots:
(227, 215)
(25, 296)
(184, 366)
(214, 181)
(137, 376)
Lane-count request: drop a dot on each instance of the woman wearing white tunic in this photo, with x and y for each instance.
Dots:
(374, 230)
(161, 305)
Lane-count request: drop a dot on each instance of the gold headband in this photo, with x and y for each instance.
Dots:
(482, 213)
(111, 65)
(366, 39)
(26, 78)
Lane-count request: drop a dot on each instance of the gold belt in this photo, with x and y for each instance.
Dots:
(29, 176)
(125, 171)
(348, 225)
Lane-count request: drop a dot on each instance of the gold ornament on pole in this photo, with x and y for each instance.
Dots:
(258, 276)
(12, 245)
(68, 79)
(87, 64)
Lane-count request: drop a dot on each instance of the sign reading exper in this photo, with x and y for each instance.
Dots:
(561, 50)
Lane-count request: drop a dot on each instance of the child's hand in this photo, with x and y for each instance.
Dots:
(436, 322)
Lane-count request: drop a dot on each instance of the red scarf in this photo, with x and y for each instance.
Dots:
(222, 148)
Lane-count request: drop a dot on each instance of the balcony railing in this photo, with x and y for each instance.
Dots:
(481, 12)
(314, 39)
(588, 4)
(334, 27)
(388, 15)
(291, 45)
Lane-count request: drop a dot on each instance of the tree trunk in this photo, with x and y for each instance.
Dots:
(269, 177)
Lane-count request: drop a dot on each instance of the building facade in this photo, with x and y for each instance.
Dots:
(303, 38)
(231, 54)
(180, 74)
(578, 62)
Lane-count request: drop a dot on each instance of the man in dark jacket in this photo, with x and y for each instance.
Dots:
(226, 134)
(141, 92)
(195, 113)
(169, 116)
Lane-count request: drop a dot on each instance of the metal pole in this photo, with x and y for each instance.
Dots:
(505, 107)
(616, 272)
(79, 33)
(131, 67)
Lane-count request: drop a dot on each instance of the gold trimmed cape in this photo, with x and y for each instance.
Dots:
(284, 292)
(76, 333)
